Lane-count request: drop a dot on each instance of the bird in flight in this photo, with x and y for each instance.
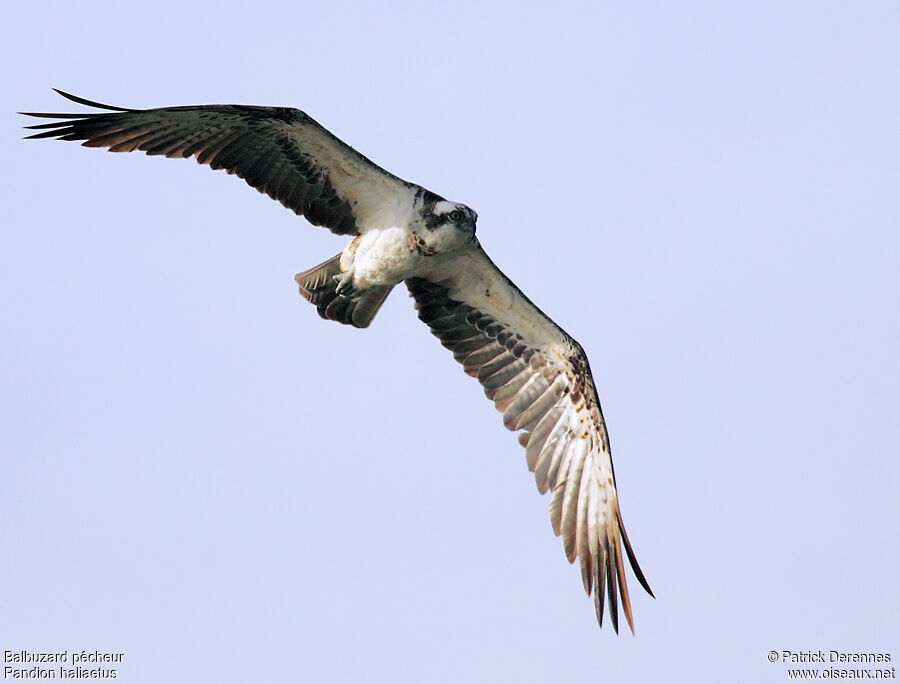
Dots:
(537, 376)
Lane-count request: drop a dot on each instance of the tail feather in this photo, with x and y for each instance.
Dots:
(317, 285)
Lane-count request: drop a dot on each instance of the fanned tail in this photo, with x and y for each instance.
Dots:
(317, 285)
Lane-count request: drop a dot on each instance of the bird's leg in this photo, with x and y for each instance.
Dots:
(344, 279)
(344, 285)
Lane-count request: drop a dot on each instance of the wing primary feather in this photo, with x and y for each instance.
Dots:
(623, 586)
(570, 498)
(556, 497)
(632, 560)
(611, 583)
(600, 583)
(53, 115)
(91, 103)
(46, 134)
(593, 530)
(582, 545)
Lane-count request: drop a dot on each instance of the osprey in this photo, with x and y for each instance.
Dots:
(536, 374)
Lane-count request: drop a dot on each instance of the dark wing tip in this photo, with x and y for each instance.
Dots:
(79, 100)
(57, 126)
(91, 103)
(632, 560)
(609, 575)
(611, 588)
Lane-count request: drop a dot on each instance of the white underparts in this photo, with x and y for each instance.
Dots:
(381, 256)
(386, 256)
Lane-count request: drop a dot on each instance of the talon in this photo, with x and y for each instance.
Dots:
(344, 285)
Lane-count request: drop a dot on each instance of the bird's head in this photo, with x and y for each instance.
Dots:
(441, 213)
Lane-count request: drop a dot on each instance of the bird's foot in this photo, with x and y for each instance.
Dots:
(344, 285)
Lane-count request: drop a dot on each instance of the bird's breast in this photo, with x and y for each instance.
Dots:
(384, 256)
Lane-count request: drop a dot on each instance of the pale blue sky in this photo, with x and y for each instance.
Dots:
(199, 472)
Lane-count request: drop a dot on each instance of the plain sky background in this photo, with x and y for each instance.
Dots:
(199, 472)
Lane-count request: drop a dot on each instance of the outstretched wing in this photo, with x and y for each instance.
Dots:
(539, 378)
(279, 151)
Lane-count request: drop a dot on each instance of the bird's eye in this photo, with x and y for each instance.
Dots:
(455, 215)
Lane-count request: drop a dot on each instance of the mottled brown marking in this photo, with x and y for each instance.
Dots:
(417, 244)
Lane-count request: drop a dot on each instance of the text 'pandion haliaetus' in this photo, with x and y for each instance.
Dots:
(537, 375)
